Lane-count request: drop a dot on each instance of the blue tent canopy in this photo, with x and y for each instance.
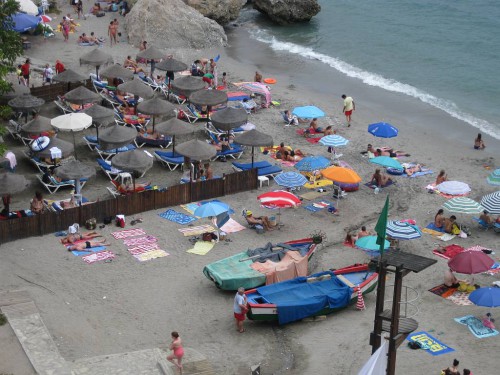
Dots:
(24, 22)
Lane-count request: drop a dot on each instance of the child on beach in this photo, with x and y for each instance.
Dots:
(479, 143)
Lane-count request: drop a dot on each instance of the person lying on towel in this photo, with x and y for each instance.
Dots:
(73, 237)
(81, 246)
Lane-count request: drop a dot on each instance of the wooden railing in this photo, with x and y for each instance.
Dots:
(132, 204)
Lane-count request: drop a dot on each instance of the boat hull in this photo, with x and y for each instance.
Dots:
(269, 312)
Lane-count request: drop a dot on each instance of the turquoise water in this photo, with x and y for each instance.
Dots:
(444, 53)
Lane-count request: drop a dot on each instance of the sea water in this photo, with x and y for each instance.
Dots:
(443, 52)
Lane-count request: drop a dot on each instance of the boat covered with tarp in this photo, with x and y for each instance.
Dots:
(319, 294)
(262, 266)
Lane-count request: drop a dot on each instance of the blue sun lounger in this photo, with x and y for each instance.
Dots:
(169, 160)
(272, 171)
(247, 166)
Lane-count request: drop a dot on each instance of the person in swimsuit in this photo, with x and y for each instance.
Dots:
(442, 177)
(240, 308)
(73, 237)
(439, 219)
(112, 30)
(380, 179)
(87, 245)
(479, 143)
(177, 350)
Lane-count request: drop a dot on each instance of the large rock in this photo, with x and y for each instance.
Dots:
(221, 11)
(288, 11)
(170, 24)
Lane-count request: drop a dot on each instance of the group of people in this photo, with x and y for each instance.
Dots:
(453, 369)
(352, 237)
(207, 69)
(448, 225)
(90, 40)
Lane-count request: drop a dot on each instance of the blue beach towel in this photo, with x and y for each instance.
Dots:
(87, 252)
(476, 326)
(177, 217)
(429, 343)
(418, 174)
(433, 227)
(312, 208)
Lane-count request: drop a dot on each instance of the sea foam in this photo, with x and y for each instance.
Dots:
(377, 80)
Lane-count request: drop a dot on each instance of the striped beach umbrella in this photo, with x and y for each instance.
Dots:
(401, 230)
(491, 202)
(278, 199)
(290, 179)
(333, 141)
(463, 205)
(494, 178)
(453, 188)
(312, 163)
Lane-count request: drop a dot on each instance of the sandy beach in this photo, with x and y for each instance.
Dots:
(126, 305)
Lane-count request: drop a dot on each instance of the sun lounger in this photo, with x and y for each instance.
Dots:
(235, 152)
(107, 154)
(106, 167)
(14, 129)
(41, 165)
(162, 143)
(169, 160)
(247, 166)
(91, 141)
(54, 185)
(63, 106)
(269, 171)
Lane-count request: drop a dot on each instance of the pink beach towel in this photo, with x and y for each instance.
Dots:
(128, 233)
(143, 248)
(98, 257)
(140, 241)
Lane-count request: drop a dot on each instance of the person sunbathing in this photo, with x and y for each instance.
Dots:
(314, 128)
(442, 177)
(439, 219)
(380, 179)
(329, 131)
(261, 220)
(94, 40)
(129, 63)
(486, 218)
(412, 169)
(128, 187)
(281, 151)
(81, 246)
(73, 237)
(290, 119)
(363, 232)
(223, 143)
(83, 39)
(149, 134)
(290, 156)
(96, 9)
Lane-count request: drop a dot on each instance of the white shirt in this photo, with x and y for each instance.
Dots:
(238, 300)
(48, 72)
(348, 104)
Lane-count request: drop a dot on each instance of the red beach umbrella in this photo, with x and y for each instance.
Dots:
(470, 262)
(278, 199)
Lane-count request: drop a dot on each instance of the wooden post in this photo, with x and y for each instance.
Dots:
(396, 306)
(375, 336)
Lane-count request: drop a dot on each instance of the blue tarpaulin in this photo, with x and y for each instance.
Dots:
(24, 22)
(297, 299)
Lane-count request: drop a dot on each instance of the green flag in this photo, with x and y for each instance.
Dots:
(381, 226)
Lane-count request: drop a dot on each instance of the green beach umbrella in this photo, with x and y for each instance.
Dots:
(386, 161)
(494, 178)
(463, 205)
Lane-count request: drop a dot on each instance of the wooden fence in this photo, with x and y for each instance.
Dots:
(132, 204)
(51, 92)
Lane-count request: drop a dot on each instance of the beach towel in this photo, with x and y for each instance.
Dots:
(313, 140)
(429, 343)
(312, 208)
(433, 227)
(190, 207)
(195, 231)
(98, 257)
(231, 226)
(177, 217)
(318, 206)
(449, 251)
(318, 183)
(446, 237)
(460, 299)
(128, 233)
(476, 326)
(442, 291)
(371, 186)
(313, 194)
(140, 241)
(140, 249)
(88, 251)
(201, 247)
(418, 174)
(153, 254)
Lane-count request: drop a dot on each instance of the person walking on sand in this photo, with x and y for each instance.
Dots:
(177, 350)
(112, 28)
(349, 107)
(240, 308)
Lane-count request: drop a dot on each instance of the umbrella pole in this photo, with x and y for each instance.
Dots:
(74, 145)
(6, 203)
(136, 101)
(252, 155)
(173, 146)
(154, 124)
(97, 72)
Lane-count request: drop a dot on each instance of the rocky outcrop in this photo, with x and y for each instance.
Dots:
(221, 11)
(169, 24)
(288, 11)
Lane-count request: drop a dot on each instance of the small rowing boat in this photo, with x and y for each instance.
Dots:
(319, 294)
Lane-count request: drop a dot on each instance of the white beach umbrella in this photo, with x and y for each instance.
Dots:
(491, 202)
(463, 205)
(28, 6)
(73, 122)
(453, 188)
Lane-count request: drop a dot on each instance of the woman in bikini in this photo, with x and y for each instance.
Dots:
(73, 237)
(442, 177)
(439, 219)
(479, 143)
(80, 246)
(177, 351)
(290, 156)
(380, 179)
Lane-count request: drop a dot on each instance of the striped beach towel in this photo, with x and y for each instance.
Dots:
(139, 249)
(195, 231)
(128, 233)
(177, 217)
(98, 257)
(140, 241)
(153, 254)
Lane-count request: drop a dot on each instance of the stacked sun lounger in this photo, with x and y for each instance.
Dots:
(264, 168)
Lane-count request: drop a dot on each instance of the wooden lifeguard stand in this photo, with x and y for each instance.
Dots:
(401, 264)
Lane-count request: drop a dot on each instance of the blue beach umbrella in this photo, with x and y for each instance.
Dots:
(24, 22)
(386, 161)
(308, 111)
(369, 243)
(383, 130)
(401, 230)
(494, 178)
(333, 141)
(488, 297)
(290, 179)
(312, 163)
(211, 209)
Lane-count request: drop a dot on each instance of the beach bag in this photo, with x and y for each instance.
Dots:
(455, 229)
(414, 345)
(107, 219)
(100, 14)
(91, 224)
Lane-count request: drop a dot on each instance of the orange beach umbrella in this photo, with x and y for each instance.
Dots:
(342, 175)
